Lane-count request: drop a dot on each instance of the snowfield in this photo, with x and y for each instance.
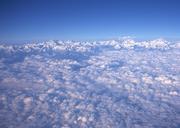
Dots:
(100, 84)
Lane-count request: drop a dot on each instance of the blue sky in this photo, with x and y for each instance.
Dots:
(88, 19)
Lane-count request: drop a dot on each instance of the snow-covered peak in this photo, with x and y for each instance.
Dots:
(152, 44)
(128, 43)
(158, 43)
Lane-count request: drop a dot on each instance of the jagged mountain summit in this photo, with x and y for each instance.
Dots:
(121, 43)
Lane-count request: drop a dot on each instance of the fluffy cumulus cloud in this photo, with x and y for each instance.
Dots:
(102, 84)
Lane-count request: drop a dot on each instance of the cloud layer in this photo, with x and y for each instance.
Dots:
(112, 83)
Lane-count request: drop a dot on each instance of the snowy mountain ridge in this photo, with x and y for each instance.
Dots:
(83, 46)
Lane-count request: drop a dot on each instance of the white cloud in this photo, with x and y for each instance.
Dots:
(112, 88)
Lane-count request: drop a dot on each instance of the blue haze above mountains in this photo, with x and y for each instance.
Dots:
(88, 19)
